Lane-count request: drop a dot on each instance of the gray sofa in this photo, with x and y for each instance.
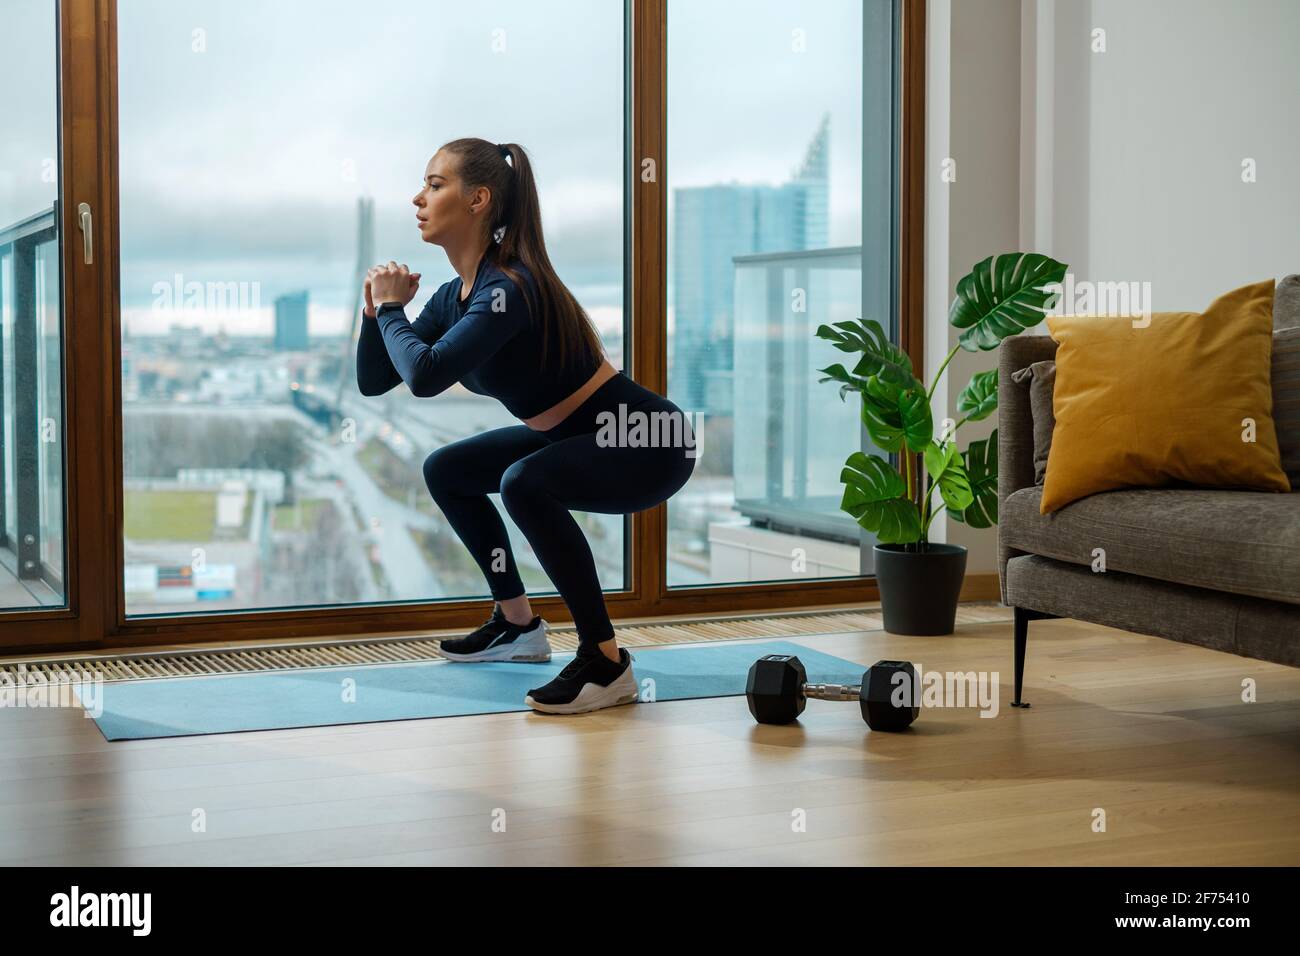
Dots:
(1218, 568)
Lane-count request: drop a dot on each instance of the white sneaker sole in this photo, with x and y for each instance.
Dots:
(623, 690)
(532, 647)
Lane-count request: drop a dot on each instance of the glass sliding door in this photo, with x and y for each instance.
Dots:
(33, 504)
(257, 175)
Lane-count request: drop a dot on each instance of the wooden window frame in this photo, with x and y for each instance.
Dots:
(96, 618)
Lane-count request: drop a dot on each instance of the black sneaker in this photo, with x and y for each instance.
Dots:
(588, 682)
(499, 640)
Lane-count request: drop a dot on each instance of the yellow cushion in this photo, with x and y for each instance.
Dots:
(1164, 403)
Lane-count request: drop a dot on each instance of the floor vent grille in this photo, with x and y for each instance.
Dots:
(147, 665)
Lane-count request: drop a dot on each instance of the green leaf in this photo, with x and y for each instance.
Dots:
(979, 399)
(876, 496)
(1002, 297)
(880, 356)
(851, 383)
(981, 460)
(945, 469)
(896, 416)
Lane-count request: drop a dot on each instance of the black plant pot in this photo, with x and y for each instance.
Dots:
(919, 589)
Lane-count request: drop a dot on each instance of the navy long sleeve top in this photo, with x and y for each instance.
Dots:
(490, 343)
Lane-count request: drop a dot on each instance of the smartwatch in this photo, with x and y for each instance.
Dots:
(391, 303)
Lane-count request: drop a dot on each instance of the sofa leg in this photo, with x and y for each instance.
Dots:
(1023, 616)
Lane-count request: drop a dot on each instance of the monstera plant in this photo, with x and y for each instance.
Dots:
(1003, 295)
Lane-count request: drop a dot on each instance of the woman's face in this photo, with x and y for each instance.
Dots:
(441, 211)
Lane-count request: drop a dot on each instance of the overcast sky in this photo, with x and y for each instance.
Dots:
(249, 128)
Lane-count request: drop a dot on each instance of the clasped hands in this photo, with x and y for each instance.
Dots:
(390, 283)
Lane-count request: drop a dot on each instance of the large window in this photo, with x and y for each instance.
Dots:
(257, 175)
(779, 220)
(192, 190)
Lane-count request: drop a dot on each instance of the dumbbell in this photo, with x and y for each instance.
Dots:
(777, 690)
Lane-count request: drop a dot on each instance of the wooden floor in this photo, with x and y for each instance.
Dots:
(1151, 732)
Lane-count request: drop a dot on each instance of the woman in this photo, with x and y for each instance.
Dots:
(508, 328)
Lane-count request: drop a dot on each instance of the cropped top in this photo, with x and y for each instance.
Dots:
(489, 343)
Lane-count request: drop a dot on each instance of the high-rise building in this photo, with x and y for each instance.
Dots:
(711, 225)
(291, 322)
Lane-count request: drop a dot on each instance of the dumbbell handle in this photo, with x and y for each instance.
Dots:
(832, 691)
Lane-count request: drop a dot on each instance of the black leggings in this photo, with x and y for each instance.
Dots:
(543, 475)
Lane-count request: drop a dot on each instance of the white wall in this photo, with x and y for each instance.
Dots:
(972, 117)
(1126, 164)
(1144, 148)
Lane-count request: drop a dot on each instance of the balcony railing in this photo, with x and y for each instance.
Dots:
(792, 433)
(31, 496)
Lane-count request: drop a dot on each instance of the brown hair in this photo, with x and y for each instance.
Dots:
(515, 210)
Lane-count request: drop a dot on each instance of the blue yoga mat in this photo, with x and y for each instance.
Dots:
(315, 697)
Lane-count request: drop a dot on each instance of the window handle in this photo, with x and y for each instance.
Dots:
(87, 223)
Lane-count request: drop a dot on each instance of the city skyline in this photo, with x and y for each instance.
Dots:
(213, 190)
